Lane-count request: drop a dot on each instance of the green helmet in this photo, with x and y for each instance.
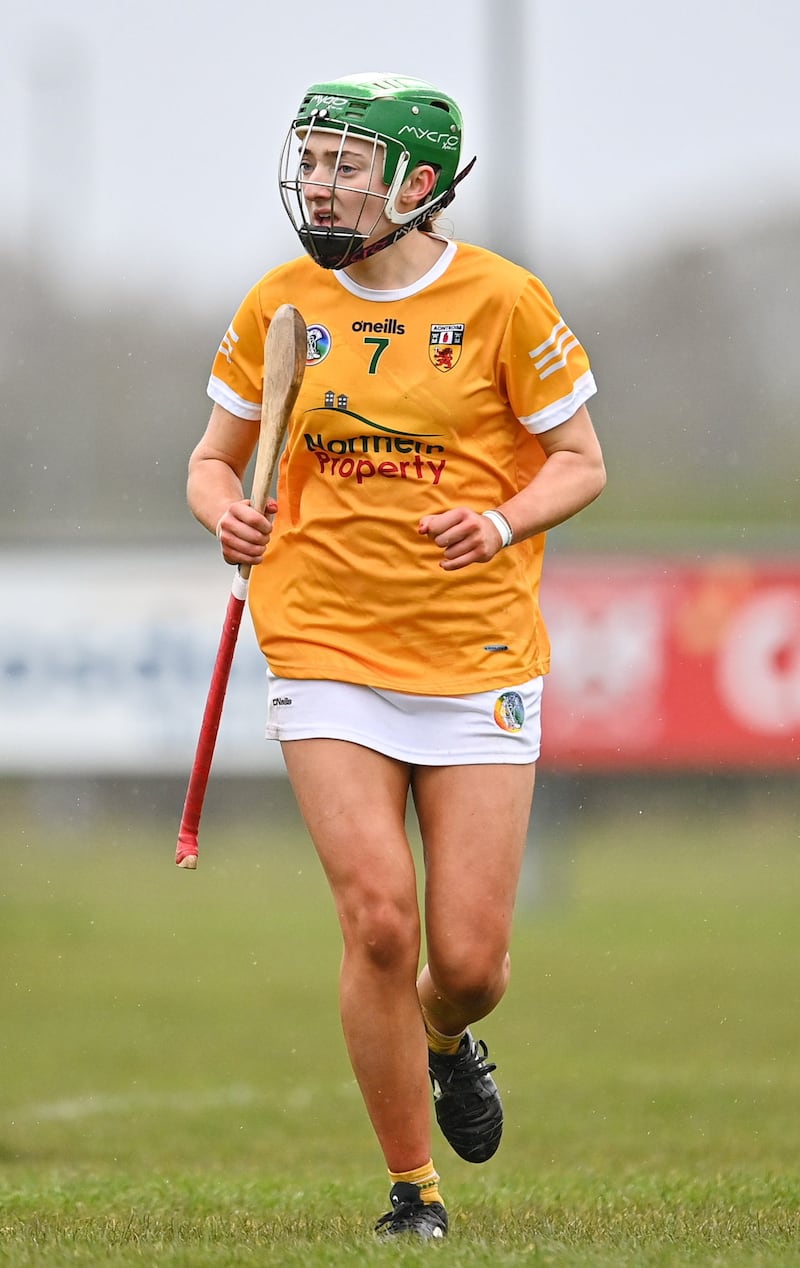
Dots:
(409, 120)
(418, 123)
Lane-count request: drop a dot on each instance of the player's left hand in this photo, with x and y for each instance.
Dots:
(466, 537)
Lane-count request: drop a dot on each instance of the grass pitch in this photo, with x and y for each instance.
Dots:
(175, 1089)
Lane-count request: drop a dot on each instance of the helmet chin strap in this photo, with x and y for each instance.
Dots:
(336, 248)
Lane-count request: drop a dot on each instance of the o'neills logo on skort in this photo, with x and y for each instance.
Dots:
(509, 711)
(445, 345)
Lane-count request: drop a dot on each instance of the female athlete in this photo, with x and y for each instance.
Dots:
(440, 431)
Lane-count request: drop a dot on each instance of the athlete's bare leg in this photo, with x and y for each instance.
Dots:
(353, 801)
(474, 822)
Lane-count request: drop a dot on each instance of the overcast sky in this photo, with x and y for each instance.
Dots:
(141, 137)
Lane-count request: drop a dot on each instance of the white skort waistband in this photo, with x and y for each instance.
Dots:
(502, 726)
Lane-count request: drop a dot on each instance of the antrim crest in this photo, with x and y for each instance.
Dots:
(445, 345)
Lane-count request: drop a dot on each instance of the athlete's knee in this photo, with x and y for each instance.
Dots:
(470, 979)
(384, 930)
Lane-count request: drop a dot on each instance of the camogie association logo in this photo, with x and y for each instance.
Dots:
(445, 345)
(509, 711)
(319, 344)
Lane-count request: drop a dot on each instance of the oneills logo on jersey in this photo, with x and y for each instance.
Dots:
(552, 354)
(445, 345)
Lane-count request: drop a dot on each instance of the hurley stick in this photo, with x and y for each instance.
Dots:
(284, 365)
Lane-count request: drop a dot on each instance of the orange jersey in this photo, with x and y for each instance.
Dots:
(413, 402)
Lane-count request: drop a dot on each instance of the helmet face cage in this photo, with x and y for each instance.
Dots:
(330, 246)
(408, 123)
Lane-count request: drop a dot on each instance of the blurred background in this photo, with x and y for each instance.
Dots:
(643, 161)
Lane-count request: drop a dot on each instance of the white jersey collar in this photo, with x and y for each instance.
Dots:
(385, 297)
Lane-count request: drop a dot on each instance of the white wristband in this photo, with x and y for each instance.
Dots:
(502, 525)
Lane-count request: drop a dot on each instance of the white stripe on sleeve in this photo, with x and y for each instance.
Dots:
(232, 401)
(561, 410)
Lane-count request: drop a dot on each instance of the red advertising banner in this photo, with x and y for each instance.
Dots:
(664, 663)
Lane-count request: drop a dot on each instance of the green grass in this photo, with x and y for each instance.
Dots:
(175, 1090)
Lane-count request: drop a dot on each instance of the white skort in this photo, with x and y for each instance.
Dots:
(500, 726)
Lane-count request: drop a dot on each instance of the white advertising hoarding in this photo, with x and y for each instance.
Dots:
(106, 659)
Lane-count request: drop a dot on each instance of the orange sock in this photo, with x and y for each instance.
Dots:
(426, 1177)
